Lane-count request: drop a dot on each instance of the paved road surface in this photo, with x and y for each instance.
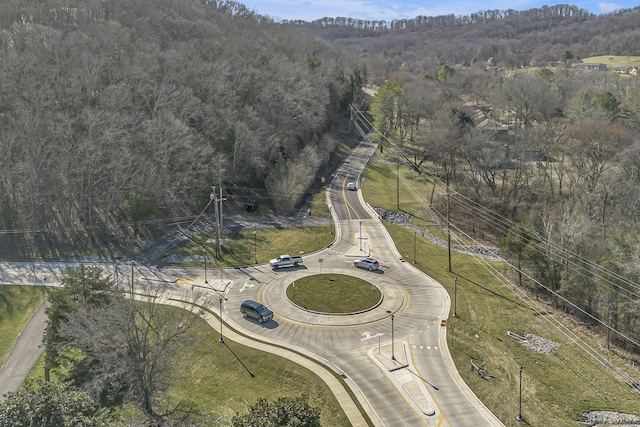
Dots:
(394, 357)
(25, 354)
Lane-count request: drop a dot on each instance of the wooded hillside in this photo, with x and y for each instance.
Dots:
(513, 38)
(117, 112)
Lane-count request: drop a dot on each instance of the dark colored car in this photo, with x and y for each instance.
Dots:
(254, 309)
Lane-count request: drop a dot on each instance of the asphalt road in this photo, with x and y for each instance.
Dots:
(394, 357)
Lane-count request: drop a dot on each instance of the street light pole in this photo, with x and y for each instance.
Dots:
(204, 251)
(115, 273)
(398, 180)
(255, 246)
(455, 296)
(393, 354)
(360, 235)
(221, 339)
(519, 418)
(330, 221)
(131, 279)
(414, 247)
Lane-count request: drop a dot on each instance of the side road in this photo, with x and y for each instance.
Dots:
(25, 354)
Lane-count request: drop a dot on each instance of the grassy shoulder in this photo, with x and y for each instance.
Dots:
(556, 387)
(222, 379)
(17, 305)
(245, 246)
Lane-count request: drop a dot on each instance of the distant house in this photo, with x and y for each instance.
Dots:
(592, 66)
(491, 125)
(629, 70)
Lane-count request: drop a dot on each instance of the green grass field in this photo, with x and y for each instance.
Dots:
(613, 61)
(333, 293)
(221, 380)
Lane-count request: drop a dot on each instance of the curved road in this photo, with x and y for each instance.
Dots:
(394, 357)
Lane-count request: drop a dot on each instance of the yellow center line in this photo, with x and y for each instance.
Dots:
(346, 202)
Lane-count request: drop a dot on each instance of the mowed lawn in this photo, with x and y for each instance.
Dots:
(222, 379)
(613, 61)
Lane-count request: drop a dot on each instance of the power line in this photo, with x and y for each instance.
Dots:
(538, 243)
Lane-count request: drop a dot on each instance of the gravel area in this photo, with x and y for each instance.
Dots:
(404, 219)
(539, 344)
(609, 418)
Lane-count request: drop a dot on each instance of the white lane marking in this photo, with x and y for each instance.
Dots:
(247, 285)
(369, 335)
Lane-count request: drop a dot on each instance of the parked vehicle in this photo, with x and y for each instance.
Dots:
(368, 263)
(255, 310)
(285, 261)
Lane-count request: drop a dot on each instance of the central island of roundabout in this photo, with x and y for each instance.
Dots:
(371, 297)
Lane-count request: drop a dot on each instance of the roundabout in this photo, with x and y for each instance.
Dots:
(392, 301)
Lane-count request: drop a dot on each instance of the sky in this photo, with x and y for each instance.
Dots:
(310, 10)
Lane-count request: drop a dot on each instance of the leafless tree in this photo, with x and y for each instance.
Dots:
(129, 349)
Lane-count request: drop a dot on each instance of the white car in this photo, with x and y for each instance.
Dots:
(351, 186)
(368, 263)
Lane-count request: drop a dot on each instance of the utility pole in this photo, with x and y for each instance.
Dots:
(215, 203)
(449, 194)
(132, 280)
(398, 180)
(221, 224)
(519, 417)
(448, 222)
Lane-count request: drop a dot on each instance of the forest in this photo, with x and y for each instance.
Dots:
(115, 116)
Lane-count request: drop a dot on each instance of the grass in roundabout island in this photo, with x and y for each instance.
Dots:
(333, 293)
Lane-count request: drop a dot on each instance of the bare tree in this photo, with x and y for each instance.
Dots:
(128, 351)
